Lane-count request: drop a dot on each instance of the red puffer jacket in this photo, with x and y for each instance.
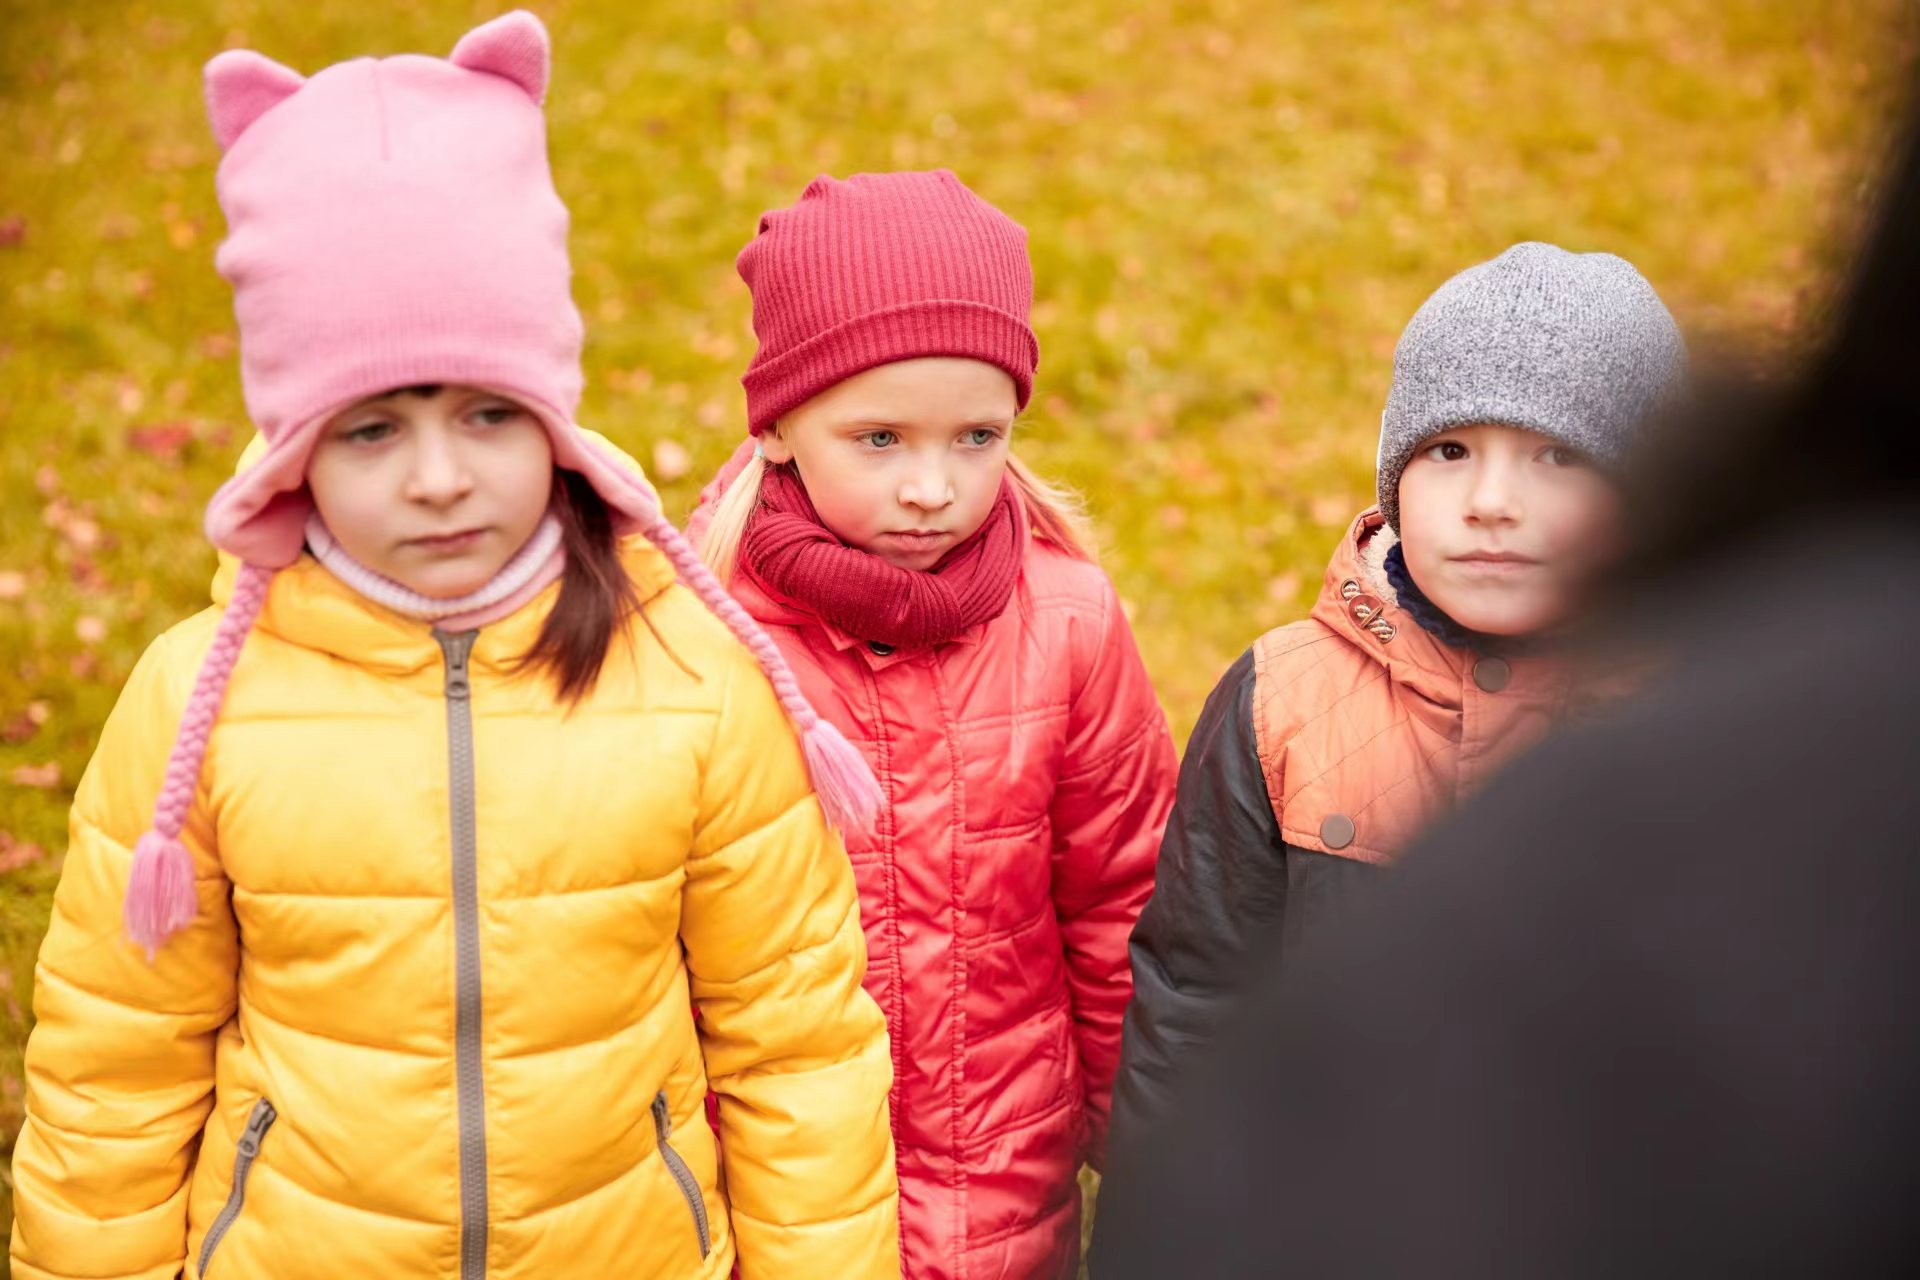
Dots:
(1029, 772)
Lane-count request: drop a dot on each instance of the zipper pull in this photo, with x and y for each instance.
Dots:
(257, 1125)
(456, 648)
(661, 1120)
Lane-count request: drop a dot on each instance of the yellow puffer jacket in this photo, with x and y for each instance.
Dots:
(432, 1020)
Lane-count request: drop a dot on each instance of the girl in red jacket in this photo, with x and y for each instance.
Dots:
(939, 605)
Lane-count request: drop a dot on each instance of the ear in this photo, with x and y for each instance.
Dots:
(514, 46)
(775, 445)
(241, 87)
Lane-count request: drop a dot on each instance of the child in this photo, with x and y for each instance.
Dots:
(938, 604)
(467, 799)
(1517, 389)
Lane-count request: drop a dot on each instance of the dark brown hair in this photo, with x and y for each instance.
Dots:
(596, 595)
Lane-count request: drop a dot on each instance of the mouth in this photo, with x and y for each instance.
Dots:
(1495, 562)
(445, 544)
(915, 537)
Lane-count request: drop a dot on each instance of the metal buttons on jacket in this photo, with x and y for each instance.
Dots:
(1492, 674)
(1337, 831)
(1366, 611)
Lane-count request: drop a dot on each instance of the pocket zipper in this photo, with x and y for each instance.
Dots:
(689, 1187)
(258, 1122)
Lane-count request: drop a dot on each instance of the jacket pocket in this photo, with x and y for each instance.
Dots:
(689, 1186)
(259, 1120)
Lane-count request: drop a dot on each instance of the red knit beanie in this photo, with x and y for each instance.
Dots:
(883, 267)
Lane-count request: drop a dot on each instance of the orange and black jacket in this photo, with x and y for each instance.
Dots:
(1320, 755)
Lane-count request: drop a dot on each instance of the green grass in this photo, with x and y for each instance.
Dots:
(1234, 206)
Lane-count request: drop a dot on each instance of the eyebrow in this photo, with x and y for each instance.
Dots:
(884, 424)
(425, 391)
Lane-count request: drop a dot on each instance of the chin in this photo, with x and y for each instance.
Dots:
(901, 558)
(917, 564)
(449, 585)
(1508, 621)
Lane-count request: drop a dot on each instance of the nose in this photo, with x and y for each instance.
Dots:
(1494, 498)
(926, 485)
(439, 475)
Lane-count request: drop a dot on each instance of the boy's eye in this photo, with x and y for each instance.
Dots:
(1560, 456)
(879, 439)
(1448, 451)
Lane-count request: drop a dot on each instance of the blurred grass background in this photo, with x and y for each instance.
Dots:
(1234, 206)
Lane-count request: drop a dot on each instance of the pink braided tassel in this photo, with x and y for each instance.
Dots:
(160, 895)
(849, 794)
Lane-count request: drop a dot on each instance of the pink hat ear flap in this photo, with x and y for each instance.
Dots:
(514, 46)
(241, 87)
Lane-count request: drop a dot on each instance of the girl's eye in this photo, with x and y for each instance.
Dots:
(981, 437)
(1448, 451)
(1559, 456)
(497, 415)
(369, 433)
(879, 439)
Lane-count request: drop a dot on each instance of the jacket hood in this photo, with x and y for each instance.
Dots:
(1358, 603)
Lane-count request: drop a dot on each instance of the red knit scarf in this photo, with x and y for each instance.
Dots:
(797, 561)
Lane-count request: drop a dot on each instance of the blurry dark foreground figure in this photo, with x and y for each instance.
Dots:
(1649, 1006)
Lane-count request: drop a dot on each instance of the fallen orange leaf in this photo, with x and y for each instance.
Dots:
(43, 777)
(671, 460)
(15, 854)
(162, 440)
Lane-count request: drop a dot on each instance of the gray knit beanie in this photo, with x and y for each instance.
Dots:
(1576, 346)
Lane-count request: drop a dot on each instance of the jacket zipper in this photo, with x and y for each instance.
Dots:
(466, 944)
(259, 1120)
(689, 1187)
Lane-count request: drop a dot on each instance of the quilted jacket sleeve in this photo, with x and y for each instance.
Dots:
(1229, 891)
(796, 1051)
(119, 1069)
(1221, 893)
(1110, 804)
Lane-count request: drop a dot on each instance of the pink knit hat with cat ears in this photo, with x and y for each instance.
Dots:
(393, 223)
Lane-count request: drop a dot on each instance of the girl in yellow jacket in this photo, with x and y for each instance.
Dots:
(393, 875)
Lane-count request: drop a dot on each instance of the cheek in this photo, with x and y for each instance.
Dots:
(352, 495)
(977, 484)
(850, 495)
(519, 472)
(985, 474)
(1429, 495)
(1424, 516)
(1584, 524)
(1426, 566)
(529, 488)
